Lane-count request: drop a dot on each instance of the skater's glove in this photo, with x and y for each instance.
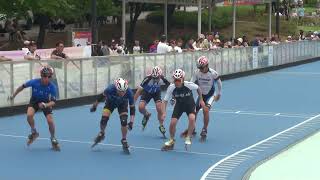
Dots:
(93, 109)
(172, 101)
(130, 126)
(10, 98)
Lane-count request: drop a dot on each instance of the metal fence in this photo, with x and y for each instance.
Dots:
(83, 77)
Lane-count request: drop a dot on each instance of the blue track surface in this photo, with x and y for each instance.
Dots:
(246, 114)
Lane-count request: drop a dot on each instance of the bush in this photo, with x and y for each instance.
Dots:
(219, 19)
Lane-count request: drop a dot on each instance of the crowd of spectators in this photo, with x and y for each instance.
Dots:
(204, 42)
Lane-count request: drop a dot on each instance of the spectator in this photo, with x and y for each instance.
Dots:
(199, 45)
(301, 35)
(228, 44)
(58, 52)
(216, 44)
(162, 46)
(189, 46)
(57, 24)
(153, 47)
(300, 12)
(113, 48)
(172, 44)
(177, 48)
(289, 39)
(123, 46)
(3, 58)
(31, 54)
(256, 41)
(264, 42)
(273, 41)
(245, 41)
(238, 43)
(25, 46)
(105, 49)
(136, 48)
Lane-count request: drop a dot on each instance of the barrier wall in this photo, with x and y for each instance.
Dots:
(84, 77)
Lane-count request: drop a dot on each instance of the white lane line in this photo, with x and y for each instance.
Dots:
(117, 145)
(296, 73)
(254, 145)
(253, 113)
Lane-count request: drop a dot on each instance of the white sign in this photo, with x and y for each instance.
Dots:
(270, 56)
(255, 57)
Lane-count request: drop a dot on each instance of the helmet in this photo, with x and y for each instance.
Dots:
(178, 74)
(46, 71)
(156, 72)
(121, 84)
(202, 61)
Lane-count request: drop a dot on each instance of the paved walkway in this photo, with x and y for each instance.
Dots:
(301, 162)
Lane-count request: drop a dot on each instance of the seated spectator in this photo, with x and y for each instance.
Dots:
(31, 54)
(3, 58)
(153, 47)
(58, 52)
(136, 48)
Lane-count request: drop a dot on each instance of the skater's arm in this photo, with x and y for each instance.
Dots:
(94, 106)
(138, 93)
(219, 84)
(165, 81)
(203, 105)
(18, 90)
(46, 105)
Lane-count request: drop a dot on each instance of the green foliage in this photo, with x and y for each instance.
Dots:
(67, 9)
(190, 19)
(221, 16)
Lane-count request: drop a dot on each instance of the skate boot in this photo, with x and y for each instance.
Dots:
(163, 131)
(98, 139)
(145, 120)
(32, 137)
(55, 144)
(203, 135)
(169, 145)
(125, 146)
(187, 143)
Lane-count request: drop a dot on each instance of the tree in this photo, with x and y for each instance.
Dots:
(46, 9)
(135, 10)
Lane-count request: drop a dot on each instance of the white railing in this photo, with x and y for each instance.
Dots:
(84, 77)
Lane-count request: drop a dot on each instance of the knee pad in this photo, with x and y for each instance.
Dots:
(123, 119)
(104, 120)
